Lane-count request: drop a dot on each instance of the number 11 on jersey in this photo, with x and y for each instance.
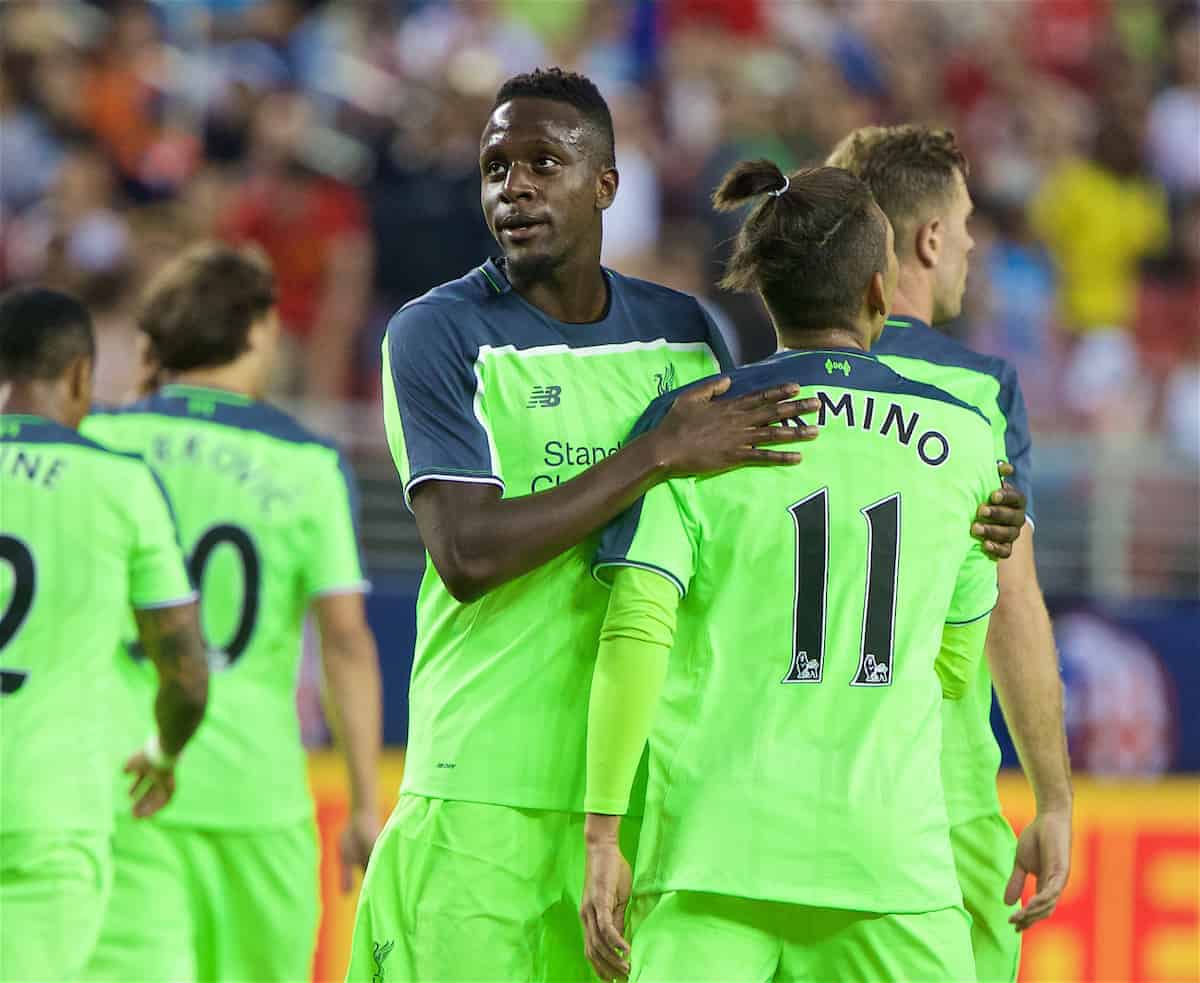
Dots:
(810, 517)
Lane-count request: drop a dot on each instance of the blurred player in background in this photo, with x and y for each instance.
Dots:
(918, 175)
(508, 393)
(85, 535)
(222, 884)
(795, 825)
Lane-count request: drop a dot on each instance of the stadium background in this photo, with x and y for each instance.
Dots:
(342, 137)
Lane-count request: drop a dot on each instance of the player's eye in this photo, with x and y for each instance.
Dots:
(493, 168)
(544, 163)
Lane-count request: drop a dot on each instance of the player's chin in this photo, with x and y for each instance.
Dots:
(530, 264)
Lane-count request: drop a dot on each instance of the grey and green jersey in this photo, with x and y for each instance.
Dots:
(266, 514)
(482, 387)
(85, 536)
(794, 754)
(971, 756)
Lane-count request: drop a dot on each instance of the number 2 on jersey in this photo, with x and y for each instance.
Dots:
(811, 518)
(240, 540)
(19, 557)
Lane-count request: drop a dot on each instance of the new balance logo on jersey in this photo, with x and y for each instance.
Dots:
(831, 366)
(544, 396)
(665, 379)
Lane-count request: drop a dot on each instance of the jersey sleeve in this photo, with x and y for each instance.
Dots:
(1018, 445)
(656, 533)
(335, 564)
(158, 577)
(717, 342)
(976, 587)
(433, 407)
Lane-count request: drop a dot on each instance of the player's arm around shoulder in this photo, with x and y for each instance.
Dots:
(478, 540)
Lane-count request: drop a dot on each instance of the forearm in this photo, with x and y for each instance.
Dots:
(171, 639)
(1024, 666)
(353, 706)
(502, 539)
(631, 666)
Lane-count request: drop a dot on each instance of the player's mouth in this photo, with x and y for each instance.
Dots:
(520, 228)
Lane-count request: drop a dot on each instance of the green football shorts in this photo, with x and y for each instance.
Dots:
(459, 891)
(687, 935)
(984, 849)
(196, 904)
(53, 888)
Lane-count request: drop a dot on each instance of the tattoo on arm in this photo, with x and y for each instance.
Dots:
(171, 638)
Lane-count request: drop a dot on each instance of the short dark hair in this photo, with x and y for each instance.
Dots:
(811, 249)
(910, 169)
(42, 332)
(198, 310)
(569, 87)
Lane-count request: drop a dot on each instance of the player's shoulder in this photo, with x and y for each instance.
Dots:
(452, 317)
(910, 338)
(642, 291)
(677, 315)
(47, 432)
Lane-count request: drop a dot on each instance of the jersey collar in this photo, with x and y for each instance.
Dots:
(183, 390)
(497, 281)
(904, 321)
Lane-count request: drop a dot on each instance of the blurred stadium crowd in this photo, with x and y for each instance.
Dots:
(343, 137)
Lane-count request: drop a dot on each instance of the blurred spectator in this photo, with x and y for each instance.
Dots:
(1174, 127)
(1100, 217)
(314, 229)
(1168, 330)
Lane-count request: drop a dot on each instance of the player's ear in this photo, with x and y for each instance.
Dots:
(606, 187)
(929, 242)
(79, 383)
(877, 299)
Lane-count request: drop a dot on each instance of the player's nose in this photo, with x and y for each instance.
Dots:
(518, 184)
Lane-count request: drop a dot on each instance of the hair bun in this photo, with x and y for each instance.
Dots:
(748, 180)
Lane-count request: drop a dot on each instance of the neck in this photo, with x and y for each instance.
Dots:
(913, 296)
(236, 377)
(822, 338)
(575, 292)
(38, 399)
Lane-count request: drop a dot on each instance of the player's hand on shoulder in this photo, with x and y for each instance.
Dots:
(999, 521)
(355, 845)
(702, 434)
(607, 883)
(153, 783)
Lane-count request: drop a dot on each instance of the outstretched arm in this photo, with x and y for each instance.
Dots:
(477, 540)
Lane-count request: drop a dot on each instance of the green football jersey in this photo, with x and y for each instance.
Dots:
(266, 514)
(480, 386)
(794, 755)
(970, 755)
(85, 537)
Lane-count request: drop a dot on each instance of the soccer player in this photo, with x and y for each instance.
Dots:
(508, 394)
(794, 824)
(918, 175)
(85, 535)
(266, 512)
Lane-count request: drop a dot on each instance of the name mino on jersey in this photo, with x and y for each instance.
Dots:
(931, 445)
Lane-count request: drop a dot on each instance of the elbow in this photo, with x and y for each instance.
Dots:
(467, 576)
